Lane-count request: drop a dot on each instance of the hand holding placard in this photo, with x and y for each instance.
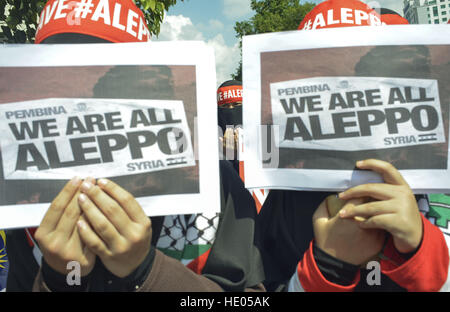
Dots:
(395, 209)
(344, 239)
(119, 231)
(57, 236)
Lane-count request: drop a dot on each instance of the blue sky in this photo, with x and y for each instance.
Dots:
(213, 21)
(214, 16)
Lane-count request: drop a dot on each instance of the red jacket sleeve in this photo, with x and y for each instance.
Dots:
(427, 269)
(309, 278)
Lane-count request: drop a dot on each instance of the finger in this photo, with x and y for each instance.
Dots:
(359, 219)
(222, 146)
(380, 191)
(108, 206)
(58, 205)
(229, 132)
(229, 135)
(367, 210)
(99, 223)
(381, 222)
(229, 141)
(90, 180)
(89, 255)
(125, 199)
(68, 220)
(389, 173)
(334, 204)
(91, 239)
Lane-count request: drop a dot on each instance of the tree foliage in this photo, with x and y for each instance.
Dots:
(271, 16)
(154, 12)
(19, 18)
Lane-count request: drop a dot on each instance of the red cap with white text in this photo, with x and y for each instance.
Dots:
(391, 17)
(340, 13)
(229, 92)
(111, 20)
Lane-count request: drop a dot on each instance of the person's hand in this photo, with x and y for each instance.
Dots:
(57, 234)
(117, 229)
(230, 143)
(344, 239)
(395, 209)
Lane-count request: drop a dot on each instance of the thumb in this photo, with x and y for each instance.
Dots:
(321, 211)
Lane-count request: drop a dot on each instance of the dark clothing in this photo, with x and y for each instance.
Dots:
(284, 231)
(233, 264)
(229, 117)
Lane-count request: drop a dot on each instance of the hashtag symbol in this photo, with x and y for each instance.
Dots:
(83, 8)
(307, 25)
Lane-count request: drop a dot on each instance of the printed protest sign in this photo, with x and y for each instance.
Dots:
(90, 111)
(95, 137)
(329, 98)
(353, 114)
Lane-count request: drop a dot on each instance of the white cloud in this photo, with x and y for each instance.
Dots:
(235, 9)
(178, 28)
(215, 24)
(181, 28)
(227, 58)
(211, 28)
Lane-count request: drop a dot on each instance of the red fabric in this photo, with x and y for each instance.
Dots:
(258, 204)
(340, 13)
(29, 239)
(241, 170)
(112, 20)
(311, 278)
(393, 19)
(198, 263)
(425, 271)
(229, 94)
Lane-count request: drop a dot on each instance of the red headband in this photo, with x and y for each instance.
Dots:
(111, 20)
(229, 94)
(340, 13)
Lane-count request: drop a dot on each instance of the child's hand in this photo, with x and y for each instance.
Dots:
(344, 239)
(57, 234)
(118, 230)
(394, 209)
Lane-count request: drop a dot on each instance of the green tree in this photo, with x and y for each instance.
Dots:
(19, 18)
(271, 16)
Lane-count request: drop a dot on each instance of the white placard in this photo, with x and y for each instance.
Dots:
(310, 102)
(55, 117)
